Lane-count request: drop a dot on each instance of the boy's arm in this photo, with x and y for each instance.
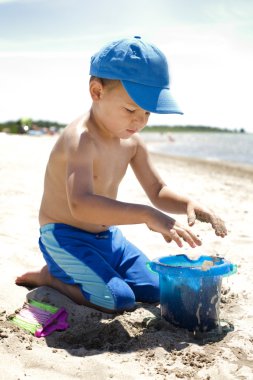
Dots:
(86, 206)
(165, 199)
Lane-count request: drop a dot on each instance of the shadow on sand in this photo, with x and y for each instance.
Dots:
(92, 331)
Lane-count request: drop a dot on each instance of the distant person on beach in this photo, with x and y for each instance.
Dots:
(88, 259)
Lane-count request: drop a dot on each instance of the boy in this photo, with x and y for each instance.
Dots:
(87, 257)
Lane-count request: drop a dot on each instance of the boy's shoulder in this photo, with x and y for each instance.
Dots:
(75, 136)
(76, 126)
(75, 130)
(77, 139)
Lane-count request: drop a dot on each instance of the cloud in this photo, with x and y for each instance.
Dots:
(4, 2)
(43, 54)
(18, 1)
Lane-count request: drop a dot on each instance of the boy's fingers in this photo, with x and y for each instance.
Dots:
(179, 234)
(191, 239)
(195, 238)
(219, 226)
(217, 223)
(174, 236)
(191, 216)
(167, 239)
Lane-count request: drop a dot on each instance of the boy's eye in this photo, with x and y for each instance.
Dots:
(132, 111)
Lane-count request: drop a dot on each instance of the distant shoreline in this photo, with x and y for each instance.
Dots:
(189, 129)
(239, 170)
(230, 149)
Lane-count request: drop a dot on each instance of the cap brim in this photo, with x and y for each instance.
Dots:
(152, 99)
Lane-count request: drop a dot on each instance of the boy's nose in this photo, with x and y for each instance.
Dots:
(140, 120)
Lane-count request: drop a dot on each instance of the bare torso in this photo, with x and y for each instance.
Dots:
(109, 168)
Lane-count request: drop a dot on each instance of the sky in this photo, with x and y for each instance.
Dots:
(46, 45)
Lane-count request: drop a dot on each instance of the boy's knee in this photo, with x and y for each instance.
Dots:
(124, 298)
(125, 301)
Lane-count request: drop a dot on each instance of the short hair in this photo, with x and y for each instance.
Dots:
(110, 83)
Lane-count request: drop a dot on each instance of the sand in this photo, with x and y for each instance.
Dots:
(136, 345)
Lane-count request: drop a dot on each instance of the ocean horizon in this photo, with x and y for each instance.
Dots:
(234, 148)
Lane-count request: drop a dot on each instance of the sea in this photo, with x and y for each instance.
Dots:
(234, 148)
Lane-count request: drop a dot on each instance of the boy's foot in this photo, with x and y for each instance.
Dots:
(44, 278)
(35, 278)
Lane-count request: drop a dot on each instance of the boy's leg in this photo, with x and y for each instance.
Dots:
(73, 258)
(44, 278)
(133, 269)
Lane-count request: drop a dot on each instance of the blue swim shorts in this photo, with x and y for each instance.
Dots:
(110, 271)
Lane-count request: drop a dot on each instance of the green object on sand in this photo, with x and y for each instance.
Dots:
(41, 319)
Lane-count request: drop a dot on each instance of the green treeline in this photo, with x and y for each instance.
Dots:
(189, 128)
(24, 125)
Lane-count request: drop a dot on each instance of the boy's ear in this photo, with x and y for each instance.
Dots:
(96, 89)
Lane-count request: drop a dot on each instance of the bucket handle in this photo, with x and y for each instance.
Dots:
(148, 265)
(233, 270)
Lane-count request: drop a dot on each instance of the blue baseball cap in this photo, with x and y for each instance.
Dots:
(143, 71)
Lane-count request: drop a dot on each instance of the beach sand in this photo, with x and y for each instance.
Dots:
(136, 345)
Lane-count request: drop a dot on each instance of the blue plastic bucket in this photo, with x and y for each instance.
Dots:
(190, 289)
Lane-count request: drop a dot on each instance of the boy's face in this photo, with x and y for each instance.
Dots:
(118, 114)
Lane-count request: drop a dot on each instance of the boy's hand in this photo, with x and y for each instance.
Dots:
(172, 230)
(195, 211)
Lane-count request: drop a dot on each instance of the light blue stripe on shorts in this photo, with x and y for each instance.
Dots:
(77, 257)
